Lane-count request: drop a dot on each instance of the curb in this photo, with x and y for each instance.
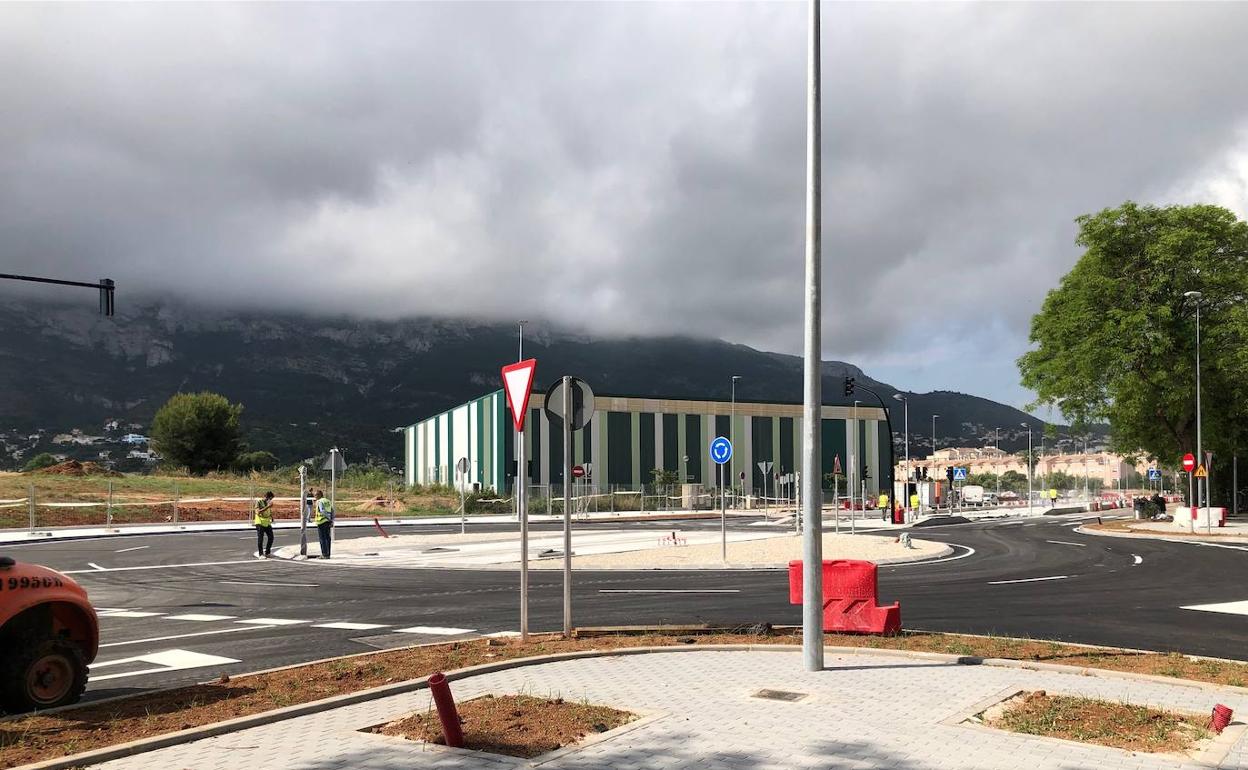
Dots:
(945, 552)
(338, 701)
(1163, 537)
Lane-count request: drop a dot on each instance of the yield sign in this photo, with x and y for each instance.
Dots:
(518, 383)
(836, 464)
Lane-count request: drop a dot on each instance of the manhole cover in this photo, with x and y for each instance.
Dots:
(787, 696)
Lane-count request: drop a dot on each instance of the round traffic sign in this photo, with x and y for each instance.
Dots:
(721, 450)
(577, 471)
(1189, 462)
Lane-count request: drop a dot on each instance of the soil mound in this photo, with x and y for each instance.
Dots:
(75, 468)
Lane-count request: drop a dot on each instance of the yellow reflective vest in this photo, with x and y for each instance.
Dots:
(324, 511)
(264, 514)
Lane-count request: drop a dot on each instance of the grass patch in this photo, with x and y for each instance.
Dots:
(1102, 722)
(37, 737)
(515, 725)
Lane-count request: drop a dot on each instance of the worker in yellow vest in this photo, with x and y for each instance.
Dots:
(263, 520)
(324, 521)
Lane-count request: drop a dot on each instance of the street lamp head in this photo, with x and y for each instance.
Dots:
(1193, 295)
(899, 397)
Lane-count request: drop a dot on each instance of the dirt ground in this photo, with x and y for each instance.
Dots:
(1105, 723)
(33, 738)
(515, 725)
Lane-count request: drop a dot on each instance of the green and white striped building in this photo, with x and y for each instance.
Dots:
(629, 437)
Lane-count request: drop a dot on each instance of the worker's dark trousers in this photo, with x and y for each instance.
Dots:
(323, 532)
(264, 534)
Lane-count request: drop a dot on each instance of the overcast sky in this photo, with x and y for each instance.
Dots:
(620, 168)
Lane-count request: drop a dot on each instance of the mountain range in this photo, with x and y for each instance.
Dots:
(308, 383)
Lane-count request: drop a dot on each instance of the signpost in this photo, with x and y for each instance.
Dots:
(335, 465)
(836, 491)
(721, 452)
(1189, 465)
(570, 402)
(765, 467)
(303, 511)
(518, 384)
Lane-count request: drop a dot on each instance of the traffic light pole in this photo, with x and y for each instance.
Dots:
(106, 287)
(850, 385)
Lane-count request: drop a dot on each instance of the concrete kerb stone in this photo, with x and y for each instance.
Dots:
(1197, 538)
(143, 745)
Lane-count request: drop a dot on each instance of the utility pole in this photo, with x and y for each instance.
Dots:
(812, 406)
(1030, 464)
(732, 431)
(1202, 500)
(932, 457)
(905, 403)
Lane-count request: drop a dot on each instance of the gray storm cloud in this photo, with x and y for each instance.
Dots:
(620, 168)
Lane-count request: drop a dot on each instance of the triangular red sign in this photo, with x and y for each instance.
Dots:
(518, 383)
(836, 464)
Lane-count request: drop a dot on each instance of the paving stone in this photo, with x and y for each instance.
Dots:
(862, 712)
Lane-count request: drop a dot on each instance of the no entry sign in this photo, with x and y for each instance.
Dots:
(578, 471)
(1189, 462)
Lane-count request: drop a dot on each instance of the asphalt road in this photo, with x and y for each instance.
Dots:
(248, 614)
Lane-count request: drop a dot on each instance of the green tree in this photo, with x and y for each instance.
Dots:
(1116, 340)
(198, 431)
(256, 461)
(661, 479)
(1014, 481)
(41, 460)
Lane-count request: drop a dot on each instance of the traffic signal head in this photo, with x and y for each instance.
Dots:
(849, 386)
(949, 473)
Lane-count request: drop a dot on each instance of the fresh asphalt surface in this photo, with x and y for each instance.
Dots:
(1103, 590)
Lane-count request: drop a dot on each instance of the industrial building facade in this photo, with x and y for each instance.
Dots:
(630, 437)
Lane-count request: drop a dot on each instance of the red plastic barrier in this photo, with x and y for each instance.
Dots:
(1220, 718)
(447, 713)
(849, 598)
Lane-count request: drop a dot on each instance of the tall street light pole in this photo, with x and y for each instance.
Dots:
(732, 430)
(812, 395)
(1196, 296)
(905, 403)
(1029, 466)
(932, 456)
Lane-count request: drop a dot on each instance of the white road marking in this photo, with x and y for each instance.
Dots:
(272, 622)
(169, 660)
(969, 552)
(435, 630)
(182, 636)
(136, 548)
(1027, 580)
(350, 626)
(1063, 542)
(669, 591)
(259, 583)
(1138, 559)
(98, 568)
(1228, 608)
(128, 614)
(201, 618)
(503, 635)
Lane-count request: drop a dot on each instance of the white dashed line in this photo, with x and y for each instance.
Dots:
(1027, 580)
(1063, 542)
(435, 630)
(231, 630)
(129, 614)
(136, 548)
(254, 583)
(1138, 559)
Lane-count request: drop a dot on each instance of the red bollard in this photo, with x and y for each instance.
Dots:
(377, 524)
(447, 712)
(1220, 718)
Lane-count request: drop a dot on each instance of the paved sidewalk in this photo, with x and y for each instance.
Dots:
(864, 711)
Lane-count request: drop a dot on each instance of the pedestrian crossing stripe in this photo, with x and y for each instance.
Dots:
(350, 626)
(272, 622)
(436, 630)
(201, 618)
